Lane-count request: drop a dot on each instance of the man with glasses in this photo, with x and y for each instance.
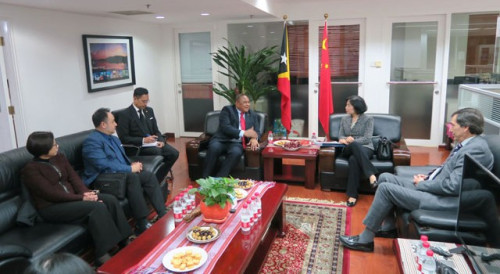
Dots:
(425, 191)
(137, 126)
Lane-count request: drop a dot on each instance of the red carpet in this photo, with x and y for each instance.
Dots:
(311, 243)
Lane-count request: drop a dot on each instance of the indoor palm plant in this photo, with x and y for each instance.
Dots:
(215, 197)
(248, 72)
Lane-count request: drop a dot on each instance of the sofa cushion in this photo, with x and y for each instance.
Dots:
(11, 163)
(71, 146)
(385, 125)
(46, 238)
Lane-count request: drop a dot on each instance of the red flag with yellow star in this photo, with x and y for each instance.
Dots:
(284, 83)
(325, 86)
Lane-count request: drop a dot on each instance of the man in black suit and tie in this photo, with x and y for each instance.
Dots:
(137, 126)
(238, 129)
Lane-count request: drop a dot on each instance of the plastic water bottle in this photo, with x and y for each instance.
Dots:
(423, 238)
(191, 198)
(422, 252)
(314, 138)
(429, 264)
(177, 209)
(184, 203)
(250, 211)
(245, 218)
(270, 137)
(255, 210)
(258, 202)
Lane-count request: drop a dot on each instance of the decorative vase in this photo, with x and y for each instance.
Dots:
(215, 213)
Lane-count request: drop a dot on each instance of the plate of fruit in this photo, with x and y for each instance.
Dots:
(203, 234)
(244, 184)
(185, 259)
(240, 193)
(290, 145)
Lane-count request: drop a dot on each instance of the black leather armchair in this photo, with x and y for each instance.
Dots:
(333, 170)
(250, 164)
(440, 225)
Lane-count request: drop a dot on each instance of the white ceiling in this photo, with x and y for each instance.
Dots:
(175, 11)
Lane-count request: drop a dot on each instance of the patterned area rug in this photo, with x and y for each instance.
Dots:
(311, 243)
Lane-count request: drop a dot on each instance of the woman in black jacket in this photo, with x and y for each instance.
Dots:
(60, 196)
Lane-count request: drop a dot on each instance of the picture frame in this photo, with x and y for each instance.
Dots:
(109, 61)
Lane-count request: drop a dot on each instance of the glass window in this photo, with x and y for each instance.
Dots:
(473, 39)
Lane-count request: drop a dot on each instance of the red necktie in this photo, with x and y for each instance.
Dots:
(243, 127)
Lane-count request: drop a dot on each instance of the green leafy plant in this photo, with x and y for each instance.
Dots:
(215, 190)
(249, 73)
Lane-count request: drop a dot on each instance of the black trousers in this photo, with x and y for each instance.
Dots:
(482, 203)
(359, 162)
(233, 151)
(105, 220)
(137, 185)
(169, 153)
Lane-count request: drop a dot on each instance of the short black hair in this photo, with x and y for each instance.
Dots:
(99, 116)
(238, 97)
(472, 118)
(138, 92)
(40, 143)
(358, 103)
(59, 263)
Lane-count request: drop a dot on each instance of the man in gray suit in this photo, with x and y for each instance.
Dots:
(437, 190)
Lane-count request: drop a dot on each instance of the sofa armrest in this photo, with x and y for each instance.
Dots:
(194, 146)
(12, 251)
(326, 159)
(253, 157)
(401, 154)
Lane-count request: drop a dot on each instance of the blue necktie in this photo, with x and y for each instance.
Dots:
(436, 171)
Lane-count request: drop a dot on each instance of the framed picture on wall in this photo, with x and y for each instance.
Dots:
(109, 61)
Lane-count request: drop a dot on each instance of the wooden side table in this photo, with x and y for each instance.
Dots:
(305, 156)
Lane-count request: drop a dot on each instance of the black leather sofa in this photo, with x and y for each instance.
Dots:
(19, 242)
(250, 164)
(440, 225)
(334, 170)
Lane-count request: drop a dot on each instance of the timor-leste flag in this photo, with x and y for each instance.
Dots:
(284, 83)
(325, 86)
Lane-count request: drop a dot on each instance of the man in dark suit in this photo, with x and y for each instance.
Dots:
(103, 153)
(238, 127)
(435, 191)
(138, 126)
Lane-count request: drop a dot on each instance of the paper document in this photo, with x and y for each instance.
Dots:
(154, 144)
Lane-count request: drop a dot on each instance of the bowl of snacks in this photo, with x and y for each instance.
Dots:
(203, 234)
(244, 184)
(184, 259)
(240, 193)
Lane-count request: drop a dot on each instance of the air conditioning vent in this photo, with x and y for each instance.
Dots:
(131, 12)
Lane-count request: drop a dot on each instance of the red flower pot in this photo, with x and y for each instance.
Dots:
(214, 213)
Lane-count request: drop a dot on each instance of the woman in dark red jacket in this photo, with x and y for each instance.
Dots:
(61, 197)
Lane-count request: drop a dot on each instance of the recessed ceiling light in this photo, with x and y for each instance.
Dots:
(250, 26)
(205, 14)
(160, 17)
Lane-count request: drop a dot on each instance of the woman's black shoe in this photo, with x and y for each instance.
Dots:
(351, 204)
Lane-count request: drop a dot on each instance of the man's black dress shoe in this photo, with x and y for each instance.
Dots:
(351, 242)
(351, 204)
(141, 228)
(393, 233)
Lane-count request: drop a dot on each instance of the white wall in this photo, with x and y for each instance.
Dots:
(48, 52)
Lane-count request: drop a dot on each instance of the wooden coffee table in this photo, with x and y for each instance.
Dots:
(305, 156)
(245, 253)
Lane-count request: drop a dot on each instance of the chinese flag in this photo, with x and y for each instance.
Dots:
(284, 83)
(325, 86)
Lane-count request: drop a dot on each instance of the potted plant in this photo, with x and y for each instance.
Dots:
(248, 72)
(215, 198)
